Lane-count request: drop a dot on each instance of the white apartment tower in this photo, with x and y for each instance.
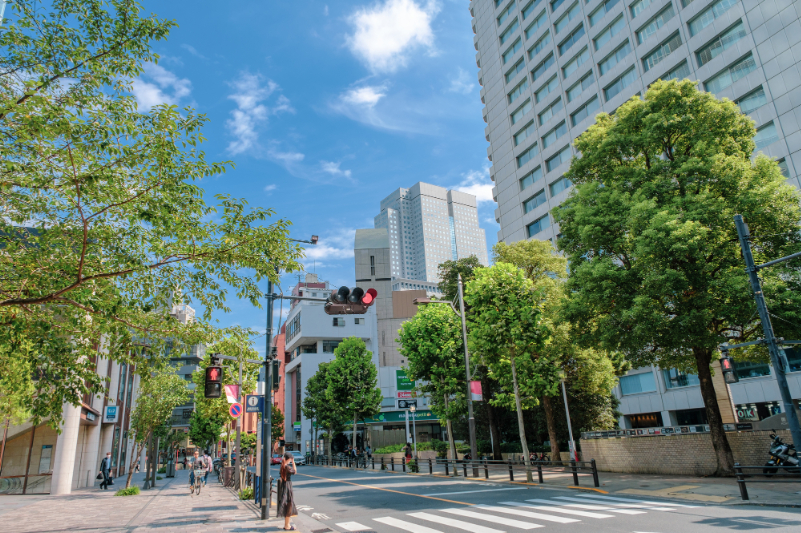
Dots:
(429, 225)
(547, 67)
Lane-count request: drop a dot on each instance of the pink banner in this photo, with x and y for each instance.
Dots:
(475, 391)
(232, 393)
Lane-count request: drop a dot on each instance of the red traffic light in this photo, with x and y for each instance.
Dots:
(213, 385)
(350, 302)
(725, 364)
(369, 296)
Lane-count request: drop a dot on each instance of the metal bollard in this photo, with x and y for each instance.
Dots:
(430, 466)
(539, 471)
(575, 472)
(372, 460)
(741, 481)
(464, 468)
(392, 459)
(486, 470)
(404, 464)
(446, 468)
(382, 463)
(595, 479)
(511, 472)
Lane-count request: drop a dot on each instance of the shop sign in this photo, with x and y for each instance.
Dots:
(406, 394)
(747, 413)
(402, 381)
(110, 414)
(400, 416)
(296, 426)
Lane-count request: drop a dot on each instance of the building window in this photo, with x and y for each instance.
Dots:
(560, 157)
(766, 135)
(525, 133)
(293, 327)
(517, 91)
(121, 384)
(747, 369)
(531, 178)
(613, 29)
(602, 10)
(556, 4)
(309, 348)
(528, 155)
(540, 69)
(731, 74)
(676, 378)
(537, 23)
(638, 7)
(572, 13)
(330, 346)
(358, 321)
(515, 70)
(520, 111)
(339, 322)
(637, 383)
(577, 88)
(530, 7)
(512, 50)
(612, 60)
(645, 420)
(661, 52)
(534, 202)
(572, 39)
(691, 417)
(678, 73)
(551, 137)
(505, 13)
(720, 43)
(549, 86)
(786, 173)
(708, 16)
(539, 45)
(620, 83)
(753, 100)
(659, 20)
(562, 184)
(574, 64)
(585, 111)
(538, 225)
(509, 31)
(549, 111)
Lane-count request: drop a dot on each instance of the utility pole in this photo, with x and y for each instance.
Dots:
(471, 421)
(238, 463)
(266, 432)
(767, 327)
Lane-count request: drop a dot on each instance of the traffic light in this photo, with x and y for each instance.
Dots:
(274, 373)
(214, 376)
(344, 301)
(727, 366)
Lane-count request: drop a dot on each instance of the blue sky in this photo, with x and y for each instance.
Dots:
(326, 107)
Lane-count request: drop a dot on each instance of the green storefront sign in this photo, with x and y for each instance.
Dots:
(400, 416)
(403, 382)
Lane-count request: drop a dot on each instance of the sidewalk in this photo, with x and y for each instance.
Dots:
(169, 508)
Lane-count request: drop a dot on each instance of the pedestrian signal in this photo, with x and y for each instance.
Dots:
(213, 382)
(729, 371)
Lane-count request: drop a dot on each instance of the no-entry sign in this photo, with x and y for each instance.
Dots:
(235, 410)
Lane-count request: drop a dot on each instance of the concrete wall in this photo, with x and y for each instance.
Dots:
(691, 455)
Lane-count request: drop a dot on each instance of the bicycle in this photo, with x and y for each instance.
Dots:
(198, 481)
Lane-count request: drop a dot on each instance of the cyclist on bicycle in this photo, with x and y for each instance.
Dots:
(196, 463)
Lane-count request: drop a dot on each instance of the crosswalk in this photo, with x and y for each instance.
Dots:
(517, 515)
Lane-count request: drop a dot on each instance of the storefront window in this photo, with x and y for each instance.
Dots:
(645, 420)
(757, 411)
(691, 417)
(675, 379)
(637, 383)
(747, 369)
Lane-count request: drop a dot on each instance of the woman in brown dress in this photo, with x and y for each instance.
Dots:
(286, 500)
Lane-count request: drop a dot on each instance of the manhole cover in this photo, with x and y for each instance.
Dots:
(324, 530)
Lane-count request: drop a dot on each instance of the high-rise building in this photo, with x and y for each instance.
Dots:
(547, 67)
(428, 225)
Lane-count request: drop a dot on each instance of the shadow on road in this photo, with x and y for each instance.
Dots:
(748, 523)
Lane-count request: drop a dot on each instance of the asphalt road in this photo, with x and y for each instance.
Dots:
(362, 501)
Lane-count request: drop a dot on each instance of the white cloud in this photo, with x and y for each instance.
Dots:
(192, 50)
(462, 83)
(333, 168)
(158, 85)
(385, 33)
(364, 96)
(477, 183)
(270, 188)
(338, 245)
(251, 112)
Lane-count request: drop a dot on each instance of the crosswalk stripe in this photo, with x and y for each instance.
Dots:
(473, 528)
(619, 504)
(500, 520)
(528, 514)
(589, 507)
(406, 526)
(352, 526)
(629, 500)
(552, 509)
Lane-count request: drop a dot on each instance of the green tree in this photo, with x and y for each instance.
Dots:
(507, 329)
(159, 393)
(103, 215)
(277, 423)
(317, 407)
(449, 272)
(353, 382)
(205, 428)
(432, 344)
(656, 269)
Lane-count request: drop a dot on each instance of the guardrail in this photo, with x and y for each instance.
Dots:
(775, 474)
(477, 467)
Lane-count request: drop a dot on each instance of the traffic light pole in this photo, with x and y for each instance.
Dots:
(471, 421)
(767, 327)
(266, 429)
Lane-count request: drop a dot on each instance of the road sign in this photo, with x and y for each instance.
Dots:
(254, 403)
(235, 410)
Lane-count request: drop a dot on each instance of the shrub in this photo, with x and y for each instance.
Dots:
(413, 466)
(159, 477)
(130, 491)
(162, 470)
(246, 494)
(440, 447)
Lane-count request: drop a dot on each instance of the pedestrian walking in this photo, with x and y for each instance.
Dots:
(105, 466)
(286, 498)
(408, 451)
(368, 452)
(209, 466)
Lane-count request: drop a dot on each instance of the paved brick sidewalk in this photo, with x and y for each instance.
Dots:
(167, 509)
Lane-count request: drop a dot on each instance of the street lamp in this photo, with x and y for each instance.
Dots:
(572, 445)
(414, 430)
(471, 421)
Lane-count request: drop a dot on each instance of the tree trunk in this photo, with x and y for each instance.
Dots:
(353, 438)
(330, 439)
(486, 391)
(550, 420)
(451, 444)
(134, 458)
(520, 424)
(723, 453)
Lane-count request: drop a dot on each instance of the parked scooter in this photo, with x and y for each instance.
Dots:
(781, 454)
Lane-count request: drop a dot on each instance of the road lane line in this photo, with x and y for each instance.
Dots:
(467, 526)
(473, 491)
(352, 526)
(528, 514)
(552, 509)
(500, 520)
(588, 507)
(596, 499)
(406, 526)
(386, 490)
(629, 500)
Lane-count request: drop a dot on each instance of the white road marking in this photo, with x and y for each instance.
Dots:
(473, 491)
(406, 526)
(473, 528)
(629, 500)
(588, 507)
(552, 509)
(590, 499)
(489, 518)
(352, 526)
(528, 514)
(320, 516)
